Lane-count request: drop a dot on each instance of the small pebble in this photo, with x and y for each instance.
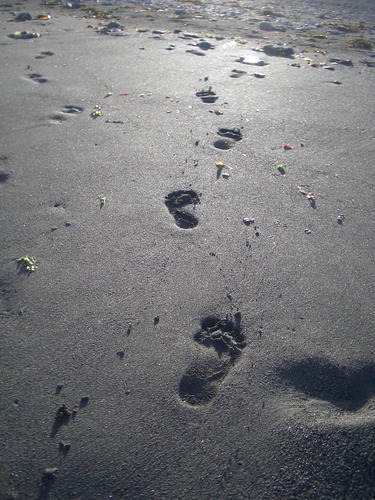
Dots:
(259, 75)
(307, 231)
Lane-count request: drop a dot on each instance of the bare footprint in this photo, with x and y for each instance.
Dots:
(178, 202)
(44, 54)
(69, 109)
(229, 137)
(222, 343)
(37, 78)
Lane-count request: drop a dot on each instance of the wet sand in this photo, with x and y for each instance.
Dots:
(200, 322)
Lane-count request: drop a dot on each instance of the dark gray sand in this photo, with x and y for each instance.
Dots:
(200, 324)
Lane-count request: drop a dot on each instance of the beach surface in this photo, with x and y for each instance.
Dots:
(187, 250)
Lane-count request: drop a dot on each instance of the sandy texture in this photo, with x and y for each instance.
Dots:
(164, 347)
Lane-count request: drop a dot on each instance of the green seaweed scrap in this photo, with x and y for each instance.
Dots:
(27, 263)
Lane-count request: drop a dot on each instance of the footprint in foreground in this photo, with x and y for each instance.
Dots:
(229, 137)
(177, 203)
(222, 343)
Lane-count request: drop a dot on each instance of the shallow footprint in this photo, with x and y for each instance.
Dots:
(223, 343)
(71, 109)
(177, 203)
(318, 378)
(44, 54)
(37, 78)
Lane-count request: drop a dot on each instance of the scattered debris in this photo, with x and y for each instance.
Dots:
(96, 111)
(225, 175)
(337, 82)
(302, 190)
(286, 146)
(307, 231)
(44, 17)
(27, 263)
(340, 217)
(251, 60)
(50, 473)
(281, 168)
(108, 94)
(247, 221)
(24, 35)
(220, 165)
(102, 200)
(311, 198)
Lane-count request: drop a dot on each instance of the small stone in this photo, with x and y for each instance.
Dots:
(266, 26)
(67, 224)
(225, 175)
(337, 82)
(307, 231)
(331, 68)
(156, 320)
(259, 75)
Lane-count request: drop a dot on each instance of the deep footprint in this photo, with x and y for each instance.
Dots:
(230, 133)
(224, 343)
(207, 96)
(176, 203)
(318, 378)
